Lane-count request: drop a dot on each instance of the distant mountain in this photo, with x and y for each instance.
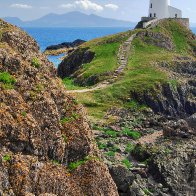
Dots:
(71, 19)
(14, 20)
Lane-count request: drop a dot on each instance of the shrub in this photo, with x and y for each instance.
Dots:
(24, 114)
(74, 165)
(101, 145)
(127, 163)
(65, 120)
(35, 62)
(110, 154)
(133, 134)
(111, 133)
(7, 80)
(6, 158)
(129, 148)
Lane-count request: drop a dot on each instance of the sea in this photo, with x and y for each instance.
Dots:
(52, 36)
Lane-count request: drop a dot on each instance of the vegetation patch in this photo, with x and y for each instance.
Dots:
(74, 165)
(110, 154)
(35, 62)
(6, 158)
(127, 163)
(111, 133)
(132, 134)
(7, 80)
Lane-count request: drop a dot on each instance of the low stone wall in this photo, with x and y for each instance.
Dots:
(152, 22)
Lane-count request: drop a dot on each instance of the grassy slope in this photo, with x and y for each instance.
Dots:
(106, 50)
(140, 75)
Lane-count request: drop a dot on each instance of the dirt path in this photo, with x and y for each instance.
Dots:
(123, 56)
(150, 138)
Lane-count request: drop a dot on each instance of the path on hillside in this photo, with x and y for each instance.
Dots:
(150, 138)
(123, 56)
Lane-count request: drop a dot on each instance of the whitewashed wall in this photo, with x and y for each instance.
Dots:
(160, 8)
(174, 11)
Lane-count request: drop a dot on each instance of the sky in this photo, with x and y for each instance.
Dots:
(130, 10)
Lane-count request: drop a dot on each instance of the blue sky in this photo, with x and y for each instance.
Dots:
(130, 10)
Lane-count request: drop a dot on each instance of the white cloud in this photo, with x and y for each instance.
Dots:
(67, 6)
(23, 6)
(112, 6)
(89, 5)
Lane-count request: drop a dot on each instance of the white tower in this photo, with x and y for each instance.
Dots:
(162, 9)
(159, 9)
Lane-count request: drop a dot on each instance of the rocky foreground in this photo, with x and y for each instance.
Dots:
(46, 145)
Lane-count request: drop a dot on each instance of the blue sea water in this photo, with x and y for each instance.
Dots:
(51, 36)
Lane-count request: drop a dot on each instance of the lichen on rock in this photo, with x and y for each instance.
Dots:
(42, 129)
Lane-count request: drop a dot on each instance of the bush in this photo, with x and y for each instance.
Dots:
(7, 80)
(101, 145)
(35, 62)
(129, 148)
(110, 154)
(6, 158)
(127, 163)
(133, 134)
(111, 133)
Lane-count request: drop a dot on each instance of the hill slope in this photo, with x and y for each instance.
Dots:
(144, 118)
(47, 146)
(72, 19)
(149, 66)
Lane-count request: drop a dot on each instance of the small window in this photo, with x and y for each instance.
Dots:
(155, 15)
(151, 5)
(150, 15)
(176, 15)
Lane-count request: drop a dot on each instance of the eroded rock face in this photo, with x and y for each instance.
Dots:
(157, 39)
(74, 62)
(42, 129)
(172, 98)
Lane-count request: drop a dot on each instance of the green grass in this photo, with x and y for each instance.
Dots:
(111, 133)
(129, 147)
(6, 158)
(35, 62)
(101, 146)
(105, 61)
(142, 74)
(74, 165)
(132, 134)
(127, 163)
(24, 114)
(181, 37)
(70, 85)
(7, 80)
(65, 138)
(110, 154)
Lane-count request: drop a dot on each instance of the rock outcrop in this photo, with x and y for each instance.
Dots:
(63, 47)
(46, 145)
(75, 61)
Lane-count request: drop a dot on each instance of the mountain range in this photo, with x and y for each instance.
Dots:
(71, 19)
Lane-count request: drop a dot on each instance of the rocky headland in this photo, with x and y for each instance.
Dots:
(143, 117)
(65, 47)
(46, 144)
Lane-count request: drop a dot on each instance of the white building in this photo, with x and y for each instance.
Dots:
(162, 9)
